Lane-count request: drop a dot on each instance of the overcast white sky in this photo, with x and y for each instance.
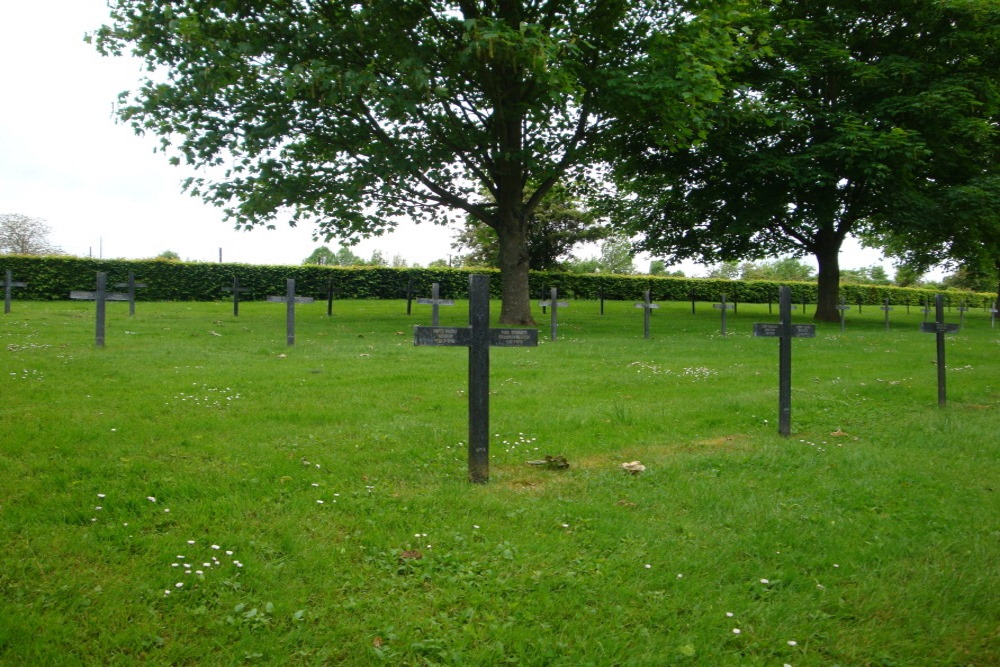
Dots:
(101, 188)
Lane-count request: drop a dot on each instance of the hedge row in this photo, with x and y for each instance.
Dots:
(52, 278)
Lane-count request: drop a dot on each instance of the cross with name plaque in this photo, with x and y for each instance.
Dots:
(785, 331)
(886, 307)
(843, 308)
(478, 337)
(940, 328)
(436, 302)
(236, 290)
(961, 315)
(647, 307)
(9, 284)
(290, 300)
(555, 304)
(132, 285)
(100, 296)
(724, 307)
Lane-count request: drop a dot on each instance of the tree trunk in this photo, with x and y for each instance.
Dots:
(996, 304)
(513, 237)
(828, 287)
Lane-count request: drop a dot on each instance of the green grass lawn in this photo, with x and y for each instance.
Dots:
(197, 492)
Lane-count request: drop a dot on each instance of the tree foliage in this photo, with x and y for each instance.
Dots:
(615, 258)
(24, 235)
(323, 256)
(352, 113)
(858, 115)
(558, 224)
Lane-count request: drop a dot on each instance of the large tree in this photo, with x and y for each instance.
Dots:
(23, 235)
(854, 106)
(354, 113)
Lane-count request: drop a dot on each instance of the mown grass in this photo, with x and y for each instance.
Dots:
(870, 537)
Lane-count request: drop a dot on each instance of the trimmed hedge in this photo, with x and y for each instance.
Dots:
(52, 278)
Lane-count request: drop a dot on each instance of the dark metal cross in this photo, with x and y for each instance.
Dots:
(290, 300)
(785, 331)
(961, 315)
(939, 328)
(478, 337)
(8, 284)
(236, 290)
(647, 307)
(843, 308)
(132, 285)
(436, 302)
(100, 296)
(724, 307)
(886, 307)
(555, 304)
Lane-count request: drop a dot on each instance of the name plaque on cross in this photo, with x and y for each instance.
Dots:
(769, 330)
(435, 302)
(934, 327)
(784, 331)
(8, 285)
(290, 300)
(479, 338)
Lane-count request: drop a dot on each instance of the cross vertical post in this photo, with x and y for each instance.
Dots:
(7, 286)
(647, 307)
(961, 315)
(601, 297)
(939, 319)
(290, 310)
(993, 315)
(329, 298)
(479, 379)
(409, 294)
(785, 363)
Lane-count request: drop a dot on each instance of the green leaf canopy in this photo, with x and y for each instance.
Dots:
(352, 114)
